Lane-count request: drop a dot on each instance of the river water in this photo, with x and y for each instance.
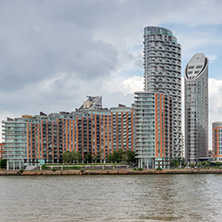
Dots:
(111, 198)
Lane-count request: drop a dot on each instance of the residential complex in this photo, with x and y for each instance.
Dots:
(153, 124)
(151, 127)
(162, 77)
(217, 141)
(35, 140)
(196, 108)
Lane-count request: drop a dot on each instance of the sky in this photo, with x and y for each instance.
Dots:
(54, 53)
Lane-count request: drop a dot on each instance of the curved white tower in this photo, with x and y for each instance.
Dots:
(196, 108)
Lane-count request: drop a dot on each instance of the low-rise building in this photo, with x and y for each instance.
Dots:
(217, 141)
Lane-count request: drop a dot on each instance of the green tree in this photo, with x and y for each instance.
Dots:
(205, 164)
(125, 157)
(199, 164)
(79, 156)
(218, 164)
(66, 157)
(110, 158)
(175, 162)
(183, 163)
(95, 158)
(117, 156)
(3, 163)
(131, 156)
(88, 158)
(192, 165)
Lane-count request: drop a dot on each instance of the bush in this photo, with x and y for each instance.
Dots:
(21, 170)
(159, 168)
(53, 169)
(81, 170)
(3, 163)
(192, 165)
(134, 168)
(140, 169)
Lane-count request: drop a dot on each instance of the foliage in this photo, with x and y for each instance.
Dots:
(218, 164)
(139, 168)
(199, 165)
(95, 158)
(130, 156)
(203, 164)
(81, 170)
(183, 163)
(175, 162)
(66, 156)
(72, 168)
(192, 165)
(21, 170)
(159, 168)
(178, 163)
(3, 163)
(121, 156)
(71, 157)
(53, 169)
(88, 158)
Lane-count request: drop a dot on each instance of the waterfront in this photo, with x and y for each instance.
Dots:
(111, 198)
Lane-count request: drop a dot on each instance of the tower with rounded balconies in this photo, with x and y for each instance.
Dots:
(162, 73)
(196, 108)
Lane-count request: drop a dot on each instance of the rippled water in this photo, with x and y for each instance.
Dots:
(111, 198)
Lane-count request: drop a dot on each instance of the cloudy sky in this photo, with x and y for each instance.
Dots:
(55, 52)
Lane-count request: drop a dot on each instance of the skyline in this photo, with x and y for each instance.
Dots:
(55, 53)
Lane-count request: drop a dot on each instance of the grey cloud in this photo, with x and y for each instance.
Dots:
(35, 46)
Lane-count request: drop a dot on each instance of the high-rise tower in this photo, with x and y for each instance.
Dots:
(162, 73)
(196, 108)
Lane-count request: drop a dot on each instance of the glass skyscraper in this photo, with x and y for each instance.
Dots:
(196, 108)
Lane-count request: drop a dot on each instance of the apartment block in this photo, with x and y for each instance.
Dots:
(153, 129)
(217, 141)
(40, 139)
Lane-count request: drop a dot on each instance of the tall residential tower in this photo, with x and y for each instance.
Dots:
(162, 78)
(196, 108)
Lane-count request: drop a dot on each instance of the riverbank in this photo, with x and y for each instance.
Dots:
(109, 172)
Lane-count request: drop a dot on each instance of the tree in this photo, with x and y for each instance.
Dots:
(88, 158)
(117, 156)
(192, 165)
(95, 158)
(175, 162)
(70, 157)
(125, 157)
(66, 157)
(199, 164)
(110, 158)
(3, 163)
(130, 156)
(183, 163)
(205, 164)
(218, 164)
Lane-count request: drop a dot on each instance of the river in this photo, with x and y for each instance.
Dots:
(111, 198)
